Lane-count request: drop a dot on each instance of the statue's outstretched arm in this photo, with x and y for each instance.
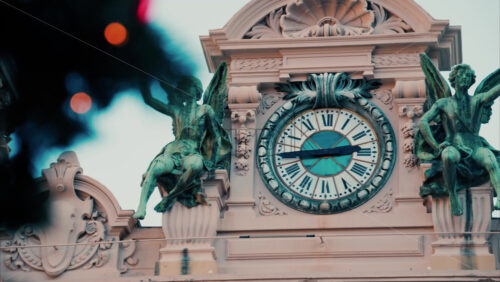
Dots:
(425, 129)
(490, 95)
(155, 103)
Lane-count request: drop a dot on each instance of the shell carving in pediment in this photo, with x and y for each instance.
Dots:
(318, 18)
(325, 18)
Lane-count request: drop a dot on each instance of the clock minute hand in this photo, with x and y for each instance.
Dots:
(332, 152)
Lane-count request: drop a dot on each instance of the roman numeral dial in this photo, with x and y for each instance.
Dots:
(320, 176)
(325, 160)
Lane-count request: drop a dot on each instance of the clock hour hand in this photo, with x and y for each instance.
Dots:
(331, 152)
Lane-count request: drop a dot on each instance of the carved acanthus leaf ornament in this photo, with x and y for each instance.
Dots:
(383, 205)
(266, 208)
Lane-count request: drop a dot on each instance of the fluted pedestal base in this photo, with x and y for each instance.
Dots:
(456, 250)
(193, 230)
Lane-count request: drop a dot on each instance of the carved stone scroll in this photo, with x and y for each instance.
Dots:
(383, 205)
(266, 208)
(127, 251)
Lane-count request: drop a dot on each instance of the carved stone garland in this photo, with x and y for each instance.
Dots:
(408, 130)
(243, 137)
(319, 18)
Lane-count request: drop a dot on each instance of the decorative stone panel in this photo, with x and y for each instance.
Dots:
(320, 18)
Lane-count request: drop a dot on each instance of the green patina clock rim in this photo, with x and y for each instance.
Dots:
(283, 115)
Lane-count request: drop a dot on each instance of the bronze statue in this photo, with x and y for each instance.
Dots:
(448, 135)
(201, 143)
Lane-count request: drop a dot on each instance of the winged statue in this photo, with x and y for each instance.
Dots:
(448, 133)
(201, 143)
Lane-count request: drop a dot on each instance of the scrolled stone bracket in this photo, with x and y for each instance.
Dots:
(243, 137)
(243, 102)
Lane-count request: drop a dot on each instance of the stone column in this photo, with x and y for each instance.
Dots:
(409, 98)
(243, 103)
(453, 249)
(193, 252)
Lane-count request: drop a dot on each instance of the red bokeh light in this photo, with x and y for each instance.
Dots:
(80, 103)
(142, 11)
(115, 33)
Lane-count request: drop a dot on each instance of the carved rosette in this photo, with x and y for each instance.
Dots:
(243, 138)
(76, 237)
(408, 131)
(325, 18)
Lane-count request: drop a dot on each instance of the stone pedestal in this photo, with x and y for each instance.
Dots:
(193, 229)
(454, 248)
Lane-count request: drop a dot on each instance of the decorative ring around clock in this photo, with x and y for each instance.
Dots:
(267, 169)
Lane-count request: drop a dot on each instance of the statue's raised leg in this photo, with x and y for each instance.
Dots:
(487, 159)
(451, 157)
(193, 170)
(163, 164)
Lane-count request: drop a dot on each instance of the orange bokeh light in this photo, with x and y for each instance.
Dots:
(115, 33)
(80, 103)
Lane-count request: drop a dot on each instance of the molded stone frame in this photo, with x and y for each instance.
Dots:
(267, 170)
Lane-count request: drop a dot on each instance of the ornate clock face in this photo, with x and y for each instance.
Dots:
(326, 160)
(327, 176)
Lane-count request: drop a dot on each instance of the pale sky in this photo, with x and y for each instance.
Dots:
(130, 134)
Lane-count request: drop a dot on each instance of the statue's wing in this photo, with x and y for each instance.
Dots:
(489, 82)
(216, 97)
(437, 87)
(216, 93)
